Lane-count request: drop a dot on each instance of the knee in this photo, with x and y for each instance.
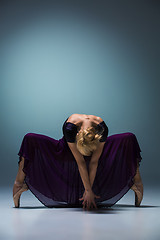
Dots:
(29, 135)
(130, 135)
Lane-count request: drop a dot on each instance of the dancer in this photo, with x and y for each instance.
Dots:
(85, 167)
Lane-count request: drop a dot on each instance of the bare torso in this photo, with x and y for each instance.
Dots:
(83, 121)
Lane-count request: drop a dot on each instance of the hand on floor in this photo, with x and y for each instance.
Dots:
(88, 200)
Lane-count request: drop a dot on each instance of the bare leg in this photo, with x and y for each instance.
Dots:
(20, 175)
(19, 185)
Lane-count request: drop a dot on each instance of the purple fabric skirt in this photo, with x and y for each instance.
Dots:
(52, 173)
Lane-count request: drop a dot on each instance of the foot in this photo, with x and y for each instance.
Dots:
(18, 188)
(138, 188)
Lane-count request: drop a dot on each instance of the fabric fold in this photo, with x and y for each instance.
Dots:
(53, 177)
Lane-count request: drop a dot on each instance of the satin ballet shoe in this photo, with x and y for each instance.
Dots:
(138, 187)
(138, 190)
(16, 196)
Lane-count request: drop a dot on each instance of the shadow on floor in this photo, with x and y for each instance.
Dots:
(103, 208)
(132, 206)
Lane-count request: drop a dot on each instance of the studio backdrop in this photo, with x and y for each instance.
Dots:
(91, 57)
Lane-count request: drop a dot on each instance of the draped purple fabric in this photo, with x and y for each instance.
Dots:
(53, 177)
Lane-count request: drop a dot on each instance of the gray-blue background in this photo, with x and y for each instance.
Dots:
(92, 57)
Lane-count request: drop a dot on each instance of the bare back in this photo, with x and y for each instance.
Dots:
(84, 119)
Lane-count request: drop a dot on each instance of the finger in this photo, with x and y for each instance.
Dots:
(91, 206)
(94, 205)
(84, 204)
(88, 205)
(81, 199)
(97, 196)
(84, 207)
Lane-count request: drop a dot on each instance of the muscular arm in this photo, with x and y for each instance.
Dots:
(94, 162)
(81, 166)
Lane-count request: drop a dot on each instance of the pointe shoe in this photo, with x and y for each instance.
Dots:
(138, 190)
(16, 196)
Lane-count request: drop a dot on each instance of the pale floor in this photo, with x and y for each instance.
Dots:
(121, 221)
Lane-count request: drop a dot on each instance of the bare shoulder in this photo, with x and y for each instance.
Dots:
(96, 119)
(79, 118)
(74, 118)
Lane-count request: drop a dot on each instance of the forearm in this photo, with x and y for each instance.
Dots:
(92, 172)
(84, 176)
(93, 164)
